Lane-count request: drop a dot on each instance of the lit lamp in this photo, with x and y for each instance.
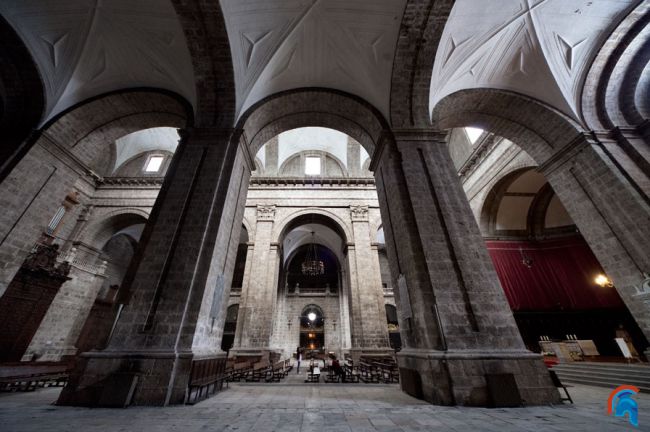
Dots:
(311, 316)
(603, 281)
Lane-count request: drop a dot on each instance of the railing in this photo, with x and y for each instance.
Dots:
(83, 264)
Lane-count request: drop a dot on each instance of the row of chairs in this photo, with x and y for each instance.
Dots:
(258, 371)
(378, 370)
(29, 377)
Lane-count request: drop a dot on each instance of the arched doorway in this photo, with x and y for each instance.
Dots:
(312, 329)
(229, 328)
(393, 327)
(312, 279)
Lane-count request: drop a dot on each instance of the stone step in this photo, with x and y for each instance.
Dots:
(614, 378)
(598, 383)
(605, 375)
(606, 366)
(617, 372)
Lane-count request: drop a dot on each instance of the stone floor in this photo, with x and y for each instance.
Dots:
(293, 406)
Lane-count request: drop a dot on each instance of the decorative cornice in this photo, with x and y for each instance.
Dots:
(478, 155)
(130, 181)
(304, 181)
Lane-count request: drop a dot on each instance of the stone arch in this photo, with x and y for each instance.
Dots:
(496, 188)
(534, 126)
(422, 25)
(312, 107)
(617, 86)
(98, 233)
(22, 97)
(249, 227)
(312, 307)
(87, 128)
(317, 215)
(207, 40)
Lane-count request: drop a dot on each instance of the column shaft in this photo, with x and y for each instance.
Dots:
(455, 320)
(167, 285)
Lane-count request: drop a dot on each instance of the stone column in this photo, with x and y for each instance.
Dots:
(612, 213)
(354, 158)
(369, 334)
(256, 311)
(149, 357)
(271, 157)
(248, 270)
(456, 323)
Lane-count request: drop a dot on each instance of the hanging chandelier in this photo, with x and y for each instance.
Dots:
(312, 266)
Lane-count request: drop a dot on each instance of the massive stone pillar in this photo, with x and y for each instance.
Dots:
(608, 202)
(456, 324)
(259, 293)
(369, 331)
(175, 291)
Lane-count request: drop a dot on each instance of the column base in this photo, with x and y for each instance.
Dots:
(357, 353)
(460, 377)
(258, 354)
(119, 379)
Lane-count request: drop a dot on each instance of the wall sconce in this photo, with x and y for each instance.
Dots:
(603, 281)
(525, 260)
(289, 323)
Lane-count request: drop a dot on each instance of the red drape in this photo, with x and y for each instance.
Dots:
(561, 277)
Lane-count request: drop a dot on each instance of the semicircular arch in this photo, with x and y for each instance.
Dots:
(535, 127)
(305, 107)
(311, 215)
(98, 233)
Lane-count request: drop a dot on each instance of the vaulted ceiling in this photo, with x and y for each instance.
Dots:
(540, 48)
(84, 48)
(286, 44)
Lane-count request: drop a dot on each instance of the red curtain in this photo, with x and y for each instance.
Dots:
(561, 276)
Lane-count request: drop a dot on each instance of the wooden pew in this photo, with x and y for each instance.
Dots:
(276, 372)
(259, 372)
(206, 378)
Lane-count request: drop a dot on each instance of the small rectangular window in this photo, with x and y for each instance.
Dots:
(153, 164)
(312, 165)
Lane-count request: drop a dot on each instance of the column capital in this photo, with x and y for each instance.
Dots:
(207, 133)
(265, 212)
(393, 137)
(567, 152)
(429, 135)
(359, 213)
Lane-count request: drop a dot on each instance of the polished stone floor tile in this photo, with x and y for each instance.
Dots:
(293, 406)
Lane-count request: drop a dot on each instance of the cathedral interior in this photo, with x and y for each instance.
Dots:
(324, 214)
